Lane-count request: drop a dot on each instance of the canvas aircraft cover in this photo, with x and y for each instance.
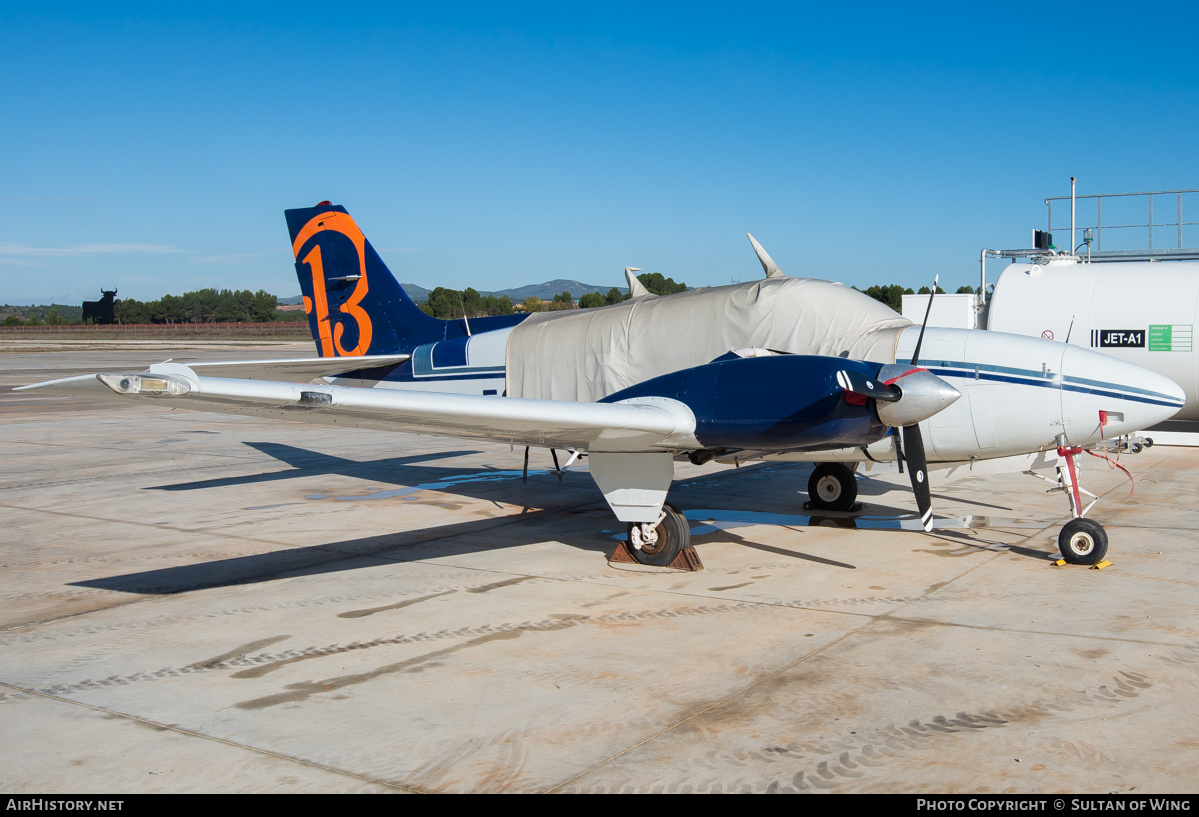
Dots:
(585, 355)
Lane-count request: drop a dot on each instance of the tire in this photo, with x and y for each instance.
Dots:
(1082, 542)
(832, 487)
(674, 534)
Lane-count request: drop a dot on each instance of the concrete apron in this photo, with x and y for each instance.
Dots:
(207, 603)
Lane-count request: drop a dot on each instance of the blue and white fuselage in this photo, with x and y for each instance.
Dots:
(1019, 394)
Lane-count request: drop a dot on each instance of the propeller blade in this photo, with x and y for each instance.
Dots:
(866, 386)
(913, 449)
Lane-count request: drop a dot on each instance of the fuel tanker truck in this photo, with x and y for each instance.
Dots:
(1138, 305)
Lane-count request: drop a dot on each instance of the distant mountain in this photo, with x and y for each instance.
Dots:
(544, 291)
(549, 289)
(416, 293)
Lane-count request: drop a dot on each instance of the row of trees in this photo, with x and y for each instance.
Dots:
(51, 318)
(892, 294)
(452, 303)
(202, 306)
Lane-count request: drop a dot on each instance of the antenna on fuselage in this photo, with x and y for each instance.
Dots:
(636, 288)
(768, 266)
(927, 310)
(465, 320)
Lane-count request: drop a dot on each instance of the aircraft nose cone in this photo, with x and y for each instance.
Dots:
(923, 394)
(1132, 397)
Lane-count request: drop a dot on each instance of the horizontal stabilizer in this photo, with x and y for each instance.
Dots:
(296, 369)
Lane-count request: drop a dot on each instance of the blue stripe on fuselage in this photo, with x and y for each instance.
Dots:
(1031, 377)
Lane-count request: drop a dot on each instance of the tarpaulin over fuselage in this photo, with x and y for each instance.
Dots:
(585, 355)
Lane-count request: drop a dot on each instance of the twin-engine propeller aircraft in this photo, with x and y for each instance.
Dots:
(781, 368)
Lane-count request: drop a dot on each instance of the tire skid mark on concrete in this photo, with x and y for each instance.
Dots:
(508, 766)
(441, 772)
(505, 583)
(399, 605)
(868, 748)
(238, 652)
(259, 665)
(306, 689)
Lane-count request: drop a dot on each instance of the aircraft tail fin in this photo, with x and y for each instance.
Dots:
(355, 305)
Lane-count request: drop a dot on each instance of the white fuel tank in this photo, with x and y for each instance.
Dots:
(1143, 312)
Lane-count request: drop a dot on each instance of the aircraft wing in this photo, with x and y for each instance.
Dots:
(641, 424)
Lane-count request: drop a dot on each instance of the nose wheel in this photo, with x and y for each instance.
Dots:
(1082, 542)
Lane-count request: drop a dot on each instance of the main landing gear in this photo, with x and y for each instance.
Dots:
(832, 487)
(660, 543)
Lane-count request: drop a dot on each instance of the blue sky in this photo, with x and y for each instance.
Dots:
(153, 148)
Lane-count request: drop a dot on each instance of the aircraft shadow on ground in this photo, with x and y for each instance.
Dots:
(736, 508)
(307, 463)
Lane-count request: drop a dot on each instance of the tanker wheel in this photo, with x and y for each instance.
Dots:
(660, 543)
(832, 487)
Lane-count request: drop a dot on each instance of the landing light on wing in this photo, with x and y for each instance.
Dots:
(145, 384)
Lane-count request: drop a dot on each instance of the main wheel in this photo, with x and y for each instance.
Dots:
(832, 487)
(1082, 542)
(660, 544)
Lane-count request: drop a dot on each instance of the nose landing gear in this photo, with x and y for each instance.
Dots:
(1081, 541)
